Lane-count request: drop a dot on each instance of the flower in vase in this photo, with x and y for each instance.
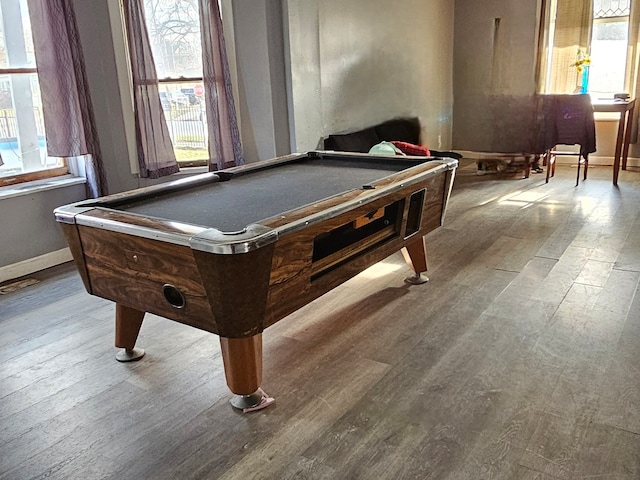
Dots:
(582, 61)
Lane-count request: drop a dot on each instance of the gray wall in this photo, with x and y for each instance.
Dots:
(357, 63)
(307, 69)
(494, 74)
(261, 89)
(28, 227)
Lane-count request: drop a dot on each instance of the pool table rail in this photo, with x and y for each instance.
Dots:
(104, 213)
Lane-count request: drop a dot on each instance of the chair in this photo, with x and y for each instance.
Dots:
(565, 120)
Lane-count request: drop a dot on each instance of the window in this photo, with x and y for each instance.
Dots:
(23, 154)
(579, 33)
(609, 41)
(174, 34)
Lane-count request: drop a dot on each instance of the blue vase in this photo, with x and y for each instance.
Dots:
(584, 87)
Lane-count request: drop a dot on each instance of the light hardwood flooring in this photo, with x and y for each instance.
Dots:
(518, 360)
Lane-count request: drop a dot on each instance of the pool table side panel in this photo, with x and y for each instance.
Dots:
(132, 271)
(434, 203)
(292, 284)
(72, 236)
(300, 290)
(237, 287)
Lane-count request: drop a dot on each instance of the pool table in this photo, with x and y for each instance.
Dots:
(234, 251)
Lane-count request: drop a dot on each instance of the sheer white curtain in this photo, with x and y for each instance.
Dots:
(156, 157)
(632, 76)
(568, 33)
(225, 149)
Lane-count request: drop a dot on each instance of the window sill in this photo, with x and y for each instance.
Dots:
(606, 117)
(192, 170)
(28, 188)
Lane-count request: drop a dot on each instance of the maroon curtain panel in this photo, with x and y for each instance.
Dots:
(156, 157)
(225, 148)
(66, 102)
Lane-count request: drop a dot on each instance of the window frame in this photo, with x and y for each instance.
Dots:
(163, 83)
(552, 73)
(608, 20)
(33, 175)
(125, 81)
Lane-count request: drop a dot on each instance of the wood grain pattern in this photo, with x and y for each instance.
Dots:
(128, 324)
(242, 359)
(293, 270)
(518, 360)
(415, 255)
(72, 236)
(132, 271)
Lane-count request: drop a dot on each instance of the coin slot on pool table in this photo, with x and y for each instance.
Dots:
(340, 245)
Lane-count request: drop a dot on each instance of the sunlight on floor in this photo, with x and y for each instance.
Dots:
(523, 199)
(381, 269)
(488, 201)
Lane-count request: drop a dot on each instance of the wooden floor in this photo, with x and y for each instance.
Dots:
(518, 360)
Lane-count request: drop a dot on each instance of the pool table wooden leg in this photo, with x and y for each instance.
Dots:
(415, 254)
(242, 358)
(128, 323)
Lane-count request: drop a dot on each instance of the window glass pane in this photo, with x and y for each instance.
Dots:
(174, 32)
(186, 119)
(610, 8)
(22, 135)
(19, 113)
(608, 57)
(16, 45)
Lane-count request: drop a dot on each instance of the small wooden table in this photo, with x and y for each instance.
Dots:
(625, 109)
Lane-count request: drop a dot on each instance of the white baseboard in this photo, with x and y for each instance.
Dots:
(27, 267)
(607, 161)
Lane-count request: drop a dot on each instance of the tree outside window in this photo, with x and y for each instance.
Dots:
(174, 33)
